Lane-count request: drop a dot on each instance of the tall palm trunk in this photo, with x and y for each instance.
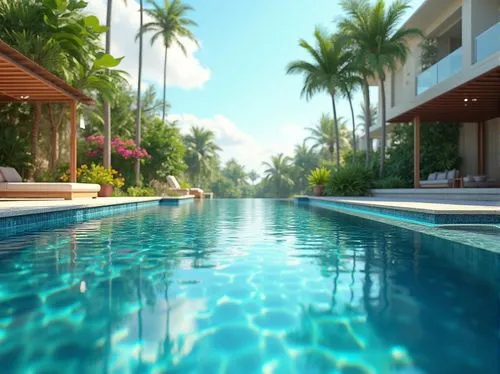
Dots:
(368, 119)
(164, 86)
(106, 106)
(35, 131)
(353, 126)
(337, 138)
(382, 118)
(139, 107)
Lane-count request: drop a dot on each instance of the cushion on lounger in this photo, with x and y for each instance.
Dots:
(451, 174)
(172, 182)
(441, 176)
(432, 177)
(10, 175)
(52, 187)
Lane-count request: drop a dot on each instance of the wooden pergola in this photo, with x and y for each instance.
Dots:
(23, 80)
(477, 100)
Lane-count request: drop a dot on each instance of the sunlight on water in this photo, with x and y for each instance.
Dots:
(248, 286)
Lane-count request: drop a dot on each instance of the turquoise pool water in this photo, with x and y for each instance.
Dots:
(245, 286)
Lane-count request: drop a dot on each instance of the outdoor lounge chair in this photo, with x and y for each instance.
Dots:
(176, 187)
(443, 179)
(12, 186)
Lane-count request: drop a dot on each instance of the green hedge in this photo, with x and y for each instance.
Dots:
(350, 180)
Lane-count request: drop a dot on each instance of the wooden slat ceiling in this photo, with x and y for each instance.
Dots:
(21, 79)
(474, 101)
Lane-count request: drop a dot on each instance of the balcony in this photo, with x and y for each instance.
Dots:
(444, 69)
(488, 42)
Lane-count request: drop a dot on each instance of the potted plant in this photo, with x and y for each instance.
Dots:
(107, 178)
(317, 180)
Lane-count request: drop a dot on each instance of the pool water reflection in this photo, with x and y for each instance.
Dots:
(244, 286)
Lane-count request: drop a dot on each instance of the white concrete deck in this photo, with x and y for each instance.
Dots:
(17, 207)
(431, 206)
(439, 194)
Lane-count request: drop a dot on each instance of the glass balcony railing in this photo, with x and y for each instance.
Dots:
(488, 42)
(444, 69)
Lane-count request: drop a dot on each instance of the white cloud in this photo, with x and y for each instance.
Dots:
(182, 71)
(241, 146)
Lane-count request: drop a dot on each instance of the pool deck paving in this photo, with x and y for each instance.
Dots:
(20, 207)
(430, 206)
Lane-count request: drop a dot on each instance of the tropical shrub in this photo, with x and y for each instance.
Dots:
(350, 180)
(96, 174)
(125, 148)
(140, 191)
(391, 182)
(164, 144)
(319, 177)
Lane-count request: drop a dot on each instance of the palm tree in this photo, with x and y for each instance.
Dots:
(305, 159)
(325, 72)
(138, 100)
(349, 84)
(363, 120)
(201, 151)
(327, 135)
(380, 45)
(253, 176)
(235, 173)
(170, 24)
(278, 174)
(106, 107)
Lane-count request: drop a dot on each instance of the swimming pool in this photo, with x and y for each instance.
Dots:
(245, 286)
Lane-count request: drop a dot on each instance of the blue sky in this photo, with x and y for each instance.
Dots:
(235, 82)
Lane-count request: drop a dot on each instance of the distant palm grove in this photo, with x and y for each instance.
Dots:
(129, 129)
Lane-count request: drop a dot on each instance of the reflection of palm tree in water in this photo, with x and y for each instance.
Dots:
(167, 342)
(139, 317)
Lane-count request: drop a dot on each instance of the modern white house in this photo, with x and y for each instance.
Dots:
(463, 85)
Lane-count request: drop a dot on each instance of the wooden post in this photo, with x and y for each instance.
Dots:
(72, 143)
(480, 148)
(416, 152)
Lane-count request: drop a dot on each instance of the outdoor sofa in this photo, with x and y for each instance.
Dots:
(444, 179)
(12, 186)
(479, 181)
(174, 186)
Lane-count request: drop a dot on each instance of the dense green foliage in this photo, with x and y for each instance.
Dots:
(391, 182)
(165, 145)
(350, 180)
(439, 150)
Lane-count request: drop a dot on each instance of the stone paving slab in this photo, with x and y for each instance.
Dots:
(432, 206)
(18, 207)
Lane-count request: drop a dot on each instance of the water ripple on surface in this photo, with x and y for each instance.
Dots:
(241, 287)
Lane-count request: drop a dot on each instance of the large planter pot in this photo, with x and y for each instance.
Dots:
(319, 190)
(106, 190)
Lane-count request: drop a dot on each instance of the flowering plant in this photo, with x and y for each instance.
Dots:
(96, 174)
(126, 148)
